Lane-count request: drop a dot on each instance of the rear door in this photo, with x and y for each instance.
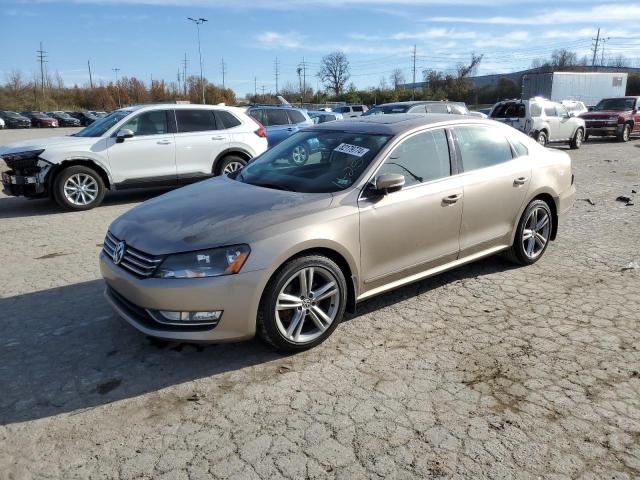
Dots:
(495, 182)
(636, 116)
(278, 125)
(552, 119)
(416, 228)
(566, 123)
(149, 158)
(199, 141)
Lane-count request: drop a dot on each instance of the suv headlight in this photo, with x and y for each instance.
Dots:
(613, 117)
(21, 155)
(204, 263)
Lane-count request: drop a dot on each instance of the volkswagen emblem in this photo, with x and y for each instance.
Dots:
(118, 253)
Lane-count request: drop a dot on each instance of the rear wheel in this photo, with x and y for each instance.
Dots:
(302, 304)
(542, 138)
(230, 164)
(577, 140)
(78, 188)
(625, 134)
(533, 234)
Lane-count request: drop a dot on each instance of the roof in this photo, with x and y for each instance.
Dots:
(392, 124)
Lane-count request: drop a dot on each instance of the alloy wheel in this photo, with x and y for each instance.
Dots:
(536, 232)
(80, 189)
(578, 141)
(307, 304)
(299, 155)
(232, 167)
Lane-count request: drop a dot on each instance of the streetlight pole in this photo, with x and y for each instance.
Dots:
(199, 22)
(116, 70)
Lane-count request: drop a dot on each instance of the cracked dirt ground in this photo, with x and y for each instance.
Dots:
(487, 371)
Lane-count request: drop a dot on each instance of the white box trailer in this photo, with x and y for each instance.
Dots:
(588, 87)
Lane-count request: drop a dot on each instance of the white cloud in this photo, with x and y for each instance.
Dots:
(598, 14)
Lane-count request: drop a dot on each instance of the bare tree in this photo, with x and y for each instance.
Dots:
(397, 78)
(619, 61)
(563, 58)
(464, 70)
(334, 71)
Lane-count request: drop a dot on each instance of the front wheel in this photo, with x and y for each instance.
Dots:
(302, 304)
(542, 138)
(625, 134)
(78, 188)
(577, 140)
(532, 235)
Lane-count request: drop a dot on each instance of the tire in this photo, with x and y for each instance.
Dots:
(299, 155)
(230, 164)
(527, 256)
(586, 137)
(71, 180)
(577, 140)
(625, 134)
(542, 138)
(276, 327)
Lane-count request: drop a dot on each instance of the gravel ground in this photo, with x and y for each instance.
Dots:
(487, 371)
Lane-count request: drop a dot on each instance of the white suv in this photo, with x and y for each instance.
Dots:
(142, 146)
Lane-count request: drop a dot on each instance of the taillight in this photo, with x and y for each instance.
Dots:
(261, 131)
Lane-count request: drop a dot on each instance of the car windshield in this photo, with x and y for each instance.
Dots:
(616, 104)
(101, 125)
(509, 110)
(12, 114)
(314, 161)
(386, 109)
(62, 115)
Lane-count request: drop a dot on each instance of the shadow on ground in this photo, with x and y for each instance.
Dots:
(63, 349)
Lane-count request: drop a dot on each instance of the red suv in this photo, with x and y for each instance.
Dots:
(619, 117)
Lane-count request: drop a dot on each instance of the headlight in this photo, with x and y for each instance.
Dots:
(21, 155)
(205, 263)
(613, 117)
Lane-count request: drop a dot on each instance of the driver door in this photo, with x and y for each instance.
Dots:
(149, 157)
(416, 228)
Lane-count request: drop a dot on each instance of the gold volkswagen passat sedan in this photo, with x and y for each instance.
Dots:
(333, 215)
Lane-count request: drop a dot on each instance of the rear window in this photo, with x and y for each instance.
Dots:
(296, 117)
(226, 119)
(195, 120)
(357, 108)
(550, 111)
(509, 110)
(536, 110)
(258, 114)
(437, 108)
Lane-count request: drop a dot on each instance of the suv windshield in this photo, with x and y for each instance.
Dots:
(617, 104)
(314, 161)
(509, 110)
(102, 124)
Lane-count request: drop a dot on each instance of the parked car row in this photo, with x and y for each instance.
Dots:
(55, 119)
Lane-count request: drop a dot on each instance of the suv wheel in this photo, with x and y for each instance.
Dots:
(302, 304)
(625, 134)
(78, 188)
(230, 164)
(299, 155)
(577, 140)
(533, 234)
(542, 138)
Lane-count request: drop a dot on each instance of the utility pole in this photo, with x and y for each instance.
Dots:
(602, 41)
(413, 85)
(42, 55)
(304, 79)
(224, 70)
(90, 77)
(199, 22)
(595, 48)
(255, 86)
(184, 74)
(116, 70)
(178, 77)
(277, 70)
(299, 70)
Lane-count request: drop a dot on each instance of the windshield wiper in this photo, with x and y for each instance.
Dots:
(273, 186)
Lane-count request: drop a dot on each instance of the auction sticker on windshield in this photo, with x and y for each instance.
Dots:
(351, 149)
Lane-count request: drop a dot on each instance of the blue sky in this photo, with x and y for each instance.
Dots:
(150, 37)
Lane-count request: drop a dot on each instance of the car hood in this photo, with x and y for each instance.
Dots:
(44, 143)
(602, 114)
(212, 213)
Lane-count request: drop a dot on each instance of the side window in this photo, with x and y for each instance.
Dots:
(521, 150)
(418, 109)
(458, 109)
(357, 108)
(276, 116)
(420, 158)
(225, 119)
(148, 123)
(258, 114)
(437, 108)
(536, 111)
(550, 111)
(561, 111)
(482, 147)
(195, 120)
(338, 109)
(295, 116)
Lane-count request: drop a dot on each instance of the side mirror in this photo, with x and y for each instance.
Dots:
(387, 183)
(123, 134)
(572, 114)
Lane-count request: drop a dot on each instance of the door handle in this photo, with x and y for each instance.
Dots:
(520, 181)
(451, 199)
(217, 138)
(164, 142)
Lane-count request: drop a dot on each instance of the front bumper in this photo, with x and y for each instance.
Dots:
(22, 185)
(603, 129)
(238, 296)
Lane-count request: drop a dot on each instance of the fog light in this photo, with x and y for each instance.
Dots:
(201, 317)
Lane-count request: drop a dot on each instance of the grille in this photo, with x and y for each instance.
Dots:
(23, 166)
(139, 263)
